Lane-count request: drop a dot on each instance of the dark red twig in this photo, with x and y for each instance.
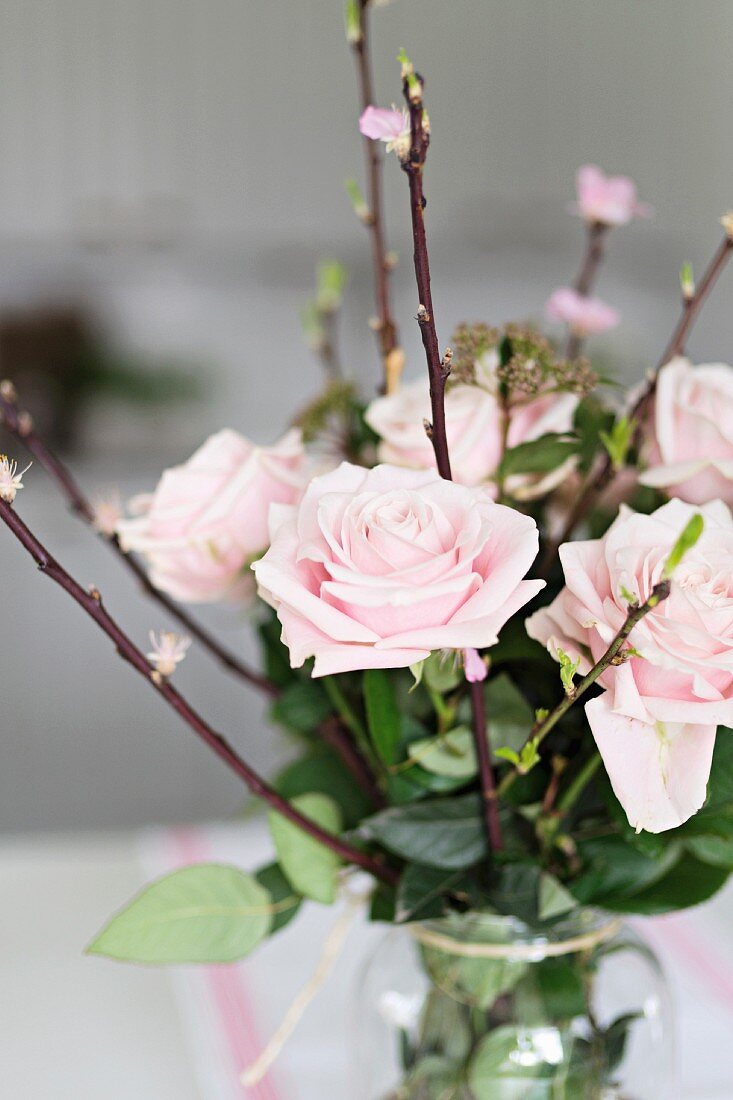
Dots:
(594, 251)
(374, 218)
(603, 471)
(20, 425)
(334, 734)
(438, 368)
(91, 603)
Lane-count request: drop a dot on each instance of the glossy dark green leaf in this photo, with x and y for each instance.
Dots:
(509, 714)
(285, 902)
(422, 890)
(321, 770)
(383, 714)
(688, 883)
(446, 832)
(301, 707)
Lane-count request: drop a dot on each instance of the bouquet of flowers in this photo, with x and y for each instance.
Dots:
(495, 612)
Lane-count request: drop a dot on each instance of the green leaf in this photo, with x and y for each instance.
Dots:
(618, 441)
(210, 912)
(689, 882)
(301, 707)
(309, 866)
(554, 899)
(691, 533)
(568, 668)
(452, 754)
(613, 868)
(445, 832)
(322, 771)
(507, 1066)
(509, 714)
(422, 889)
(441, 671)
(383, 714)
(538, 456)
(285, 902)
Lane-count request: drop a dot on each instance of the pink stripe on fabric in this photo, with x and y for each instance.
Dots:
(689, 949)
(226, 984)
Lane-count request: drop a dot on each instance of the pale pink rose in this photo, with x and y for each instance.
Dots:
(390, 126)
(377, 568)
(584, 316)
(691, 453)
(473, 428)
(610, 200)
(207, 519)
(655, 723)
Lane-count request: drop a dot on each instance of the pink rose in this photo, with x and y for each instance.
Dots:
(584, 316)
(208, 518)
(377, 568)
(655, 723)
(691, 455)
(473, 427)
(610, 200)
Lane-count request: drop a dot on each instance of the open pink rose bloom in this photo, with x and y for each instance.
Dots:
(377, 568)
(655, 722)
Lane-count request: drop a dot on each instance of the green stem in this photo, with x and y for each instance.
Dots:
(351, 720)
(578, 785)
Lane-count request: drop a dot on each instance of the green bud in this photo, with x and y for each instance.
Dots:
(688, 538)
(568, 668)
(352, 20)
(312, 326)
(332, 279)
(687, 282)
(358, 201)
(618, 441)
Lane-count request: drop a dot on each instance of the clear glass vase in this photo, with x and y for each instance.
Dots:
(483, 1007)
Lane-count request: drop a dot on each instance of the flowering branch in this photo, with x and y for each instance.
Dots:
(20, 425)
(438, 368)
(373, 215)
(91, 602)
(594, 252)
(612, 656)
(600, 476)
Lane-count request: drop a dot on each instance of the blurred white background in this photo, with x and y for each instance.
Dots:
(174, 170)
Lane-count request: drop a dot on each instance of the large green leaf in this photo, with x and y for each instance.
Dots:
(310, 867)
(688, 883)
(383, 714)
(210, 912)
(421, 891)
(613, 868)
(301, 707)
(446, 832)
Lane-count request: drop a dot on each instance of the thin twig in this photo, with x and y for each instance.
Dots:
(603, 470)
(374, 218)
(612, 656)
(438, 369)
(486, 773)
(594, 251)
(20, 425)
(334, 734)
(91, 603)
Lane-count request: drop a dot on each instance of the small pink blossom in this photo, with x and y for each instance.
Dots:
(378, 568)
(390, 126)
(474, 666)
(609, 200)
(167, 651)
(584, 316)
(10, 479)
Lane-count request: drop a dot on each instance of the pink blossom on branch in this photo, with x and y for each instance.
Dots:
(208, 518)
(691, 451)
(391, 126)
(378, 568)
(584, 316)
(655, 723)
(609, 200)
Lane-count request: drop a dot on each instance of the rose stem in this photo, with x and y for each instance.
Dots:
(594, 251)
(20, 426)
(386, 329)
(334, 734)
(603, 472)
(486, 772)
(438, 371)
(91, 602)
(612, 656)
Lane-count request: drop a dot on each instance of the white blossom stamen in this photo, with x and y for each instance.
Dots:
(108, 512)
(167, 651)
(10, 479)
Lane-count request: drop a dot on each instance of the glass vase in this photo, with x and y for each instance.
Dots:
(484, 1007)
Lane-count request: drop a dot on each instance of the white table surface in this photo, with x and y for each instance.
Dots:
(81, 1028)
